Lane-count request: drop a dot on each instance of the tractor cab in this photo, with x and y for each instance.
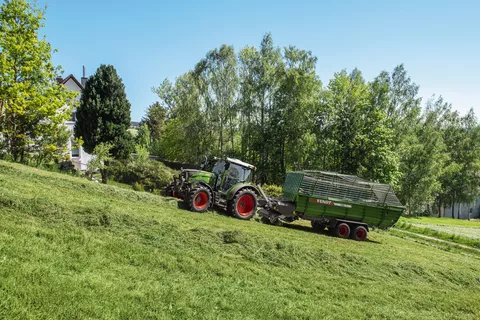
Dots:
(230, 172)
(224, 182)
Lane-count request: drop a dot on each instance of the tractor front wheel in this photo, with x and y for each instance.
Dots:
(244, 205)
(168, 192)
(199, 199)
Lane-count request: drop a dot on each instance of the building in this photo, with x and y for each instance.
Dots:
(465, 210)
(78, 156)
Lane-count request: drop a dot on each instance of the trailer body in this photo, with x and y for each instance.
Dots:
(346, 204)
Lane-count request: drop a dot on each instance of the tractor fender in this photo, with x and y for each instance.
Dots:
(240, 186)
(203, 184)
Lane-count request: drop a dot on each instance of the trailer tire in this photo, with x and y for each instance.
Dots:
(342, 230)
(359, 233)
(243, 206)
(317, 226)
(199, 199)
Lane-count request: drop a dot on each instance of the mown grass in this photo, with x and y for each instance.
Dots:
(474, 223)
(73, 249)
(466, 235)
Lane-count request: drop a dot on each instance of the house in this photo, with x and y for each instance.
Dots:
(78, 156)
(464, 210)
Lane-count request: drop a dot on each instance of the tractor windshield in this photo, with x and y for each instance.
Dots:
(242, 174)
(219, 167)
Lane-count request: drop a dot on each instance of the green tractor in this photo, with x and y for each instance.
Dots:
(228, 185)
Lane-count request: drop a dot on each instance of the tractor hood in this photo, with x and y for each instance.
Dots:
(205, 176)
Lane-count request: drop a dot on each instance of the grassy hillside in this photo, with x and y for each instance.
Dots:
(73, 249)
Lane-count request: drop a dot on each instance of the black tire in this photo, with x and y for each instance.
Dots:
(359, 233)
(199, 199)
(317, 226)
(168, 192)
(243, 206)
(342, 230)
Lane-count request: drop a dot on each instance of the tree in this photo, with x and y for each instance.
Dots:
(187, 134)
(101, 156)
(217, 81)
(261, 72)
(104, 115)
(424, 158)
(142, 138)
(32, 102)
(460, 179)
(155, 120)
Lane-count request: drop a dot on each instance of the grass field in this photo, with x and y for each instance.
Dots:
(460, 231)
(73, 249)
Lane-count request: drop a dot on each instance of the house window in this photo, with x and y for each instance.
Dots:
(75, 149)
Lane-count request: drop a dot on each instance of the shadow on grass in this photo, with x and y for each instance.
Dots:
(217, 210)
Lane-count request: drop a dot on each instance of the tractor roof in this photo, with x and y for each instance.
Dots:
(241, 163)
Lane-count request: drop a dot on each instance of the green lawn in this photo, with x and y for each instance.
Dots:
(460, 231)
(474, 223)
(74, 249)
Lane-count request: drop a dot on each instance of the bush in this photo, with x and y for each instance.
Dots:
(67, 166)
(272, 190)
(141, 174)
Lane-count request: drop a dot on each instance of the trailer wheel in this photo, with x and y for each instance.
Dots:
(244, 205)
(359, 233)
(317, 226)
(198, 199)
(342, 230)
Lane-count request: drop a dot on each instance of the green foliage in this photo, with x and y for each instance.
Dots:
(71, 248)
(32, 107)
(423, 158)
(272, 190)
(155, 121)
(142, 174)
(142, 138)
(104, 113)
(101, 157)
(460, 180)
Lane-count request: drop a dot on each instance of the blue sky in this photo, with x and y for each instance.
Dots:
(148, 41)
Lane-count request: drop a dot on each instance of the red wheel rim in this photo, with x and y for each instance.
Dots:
(343, 231)
(245, 205)
(201, 200)
(360, 233)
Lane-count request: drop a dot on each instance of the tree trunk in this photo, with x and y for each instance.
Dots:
(104, 173)
(453, 209)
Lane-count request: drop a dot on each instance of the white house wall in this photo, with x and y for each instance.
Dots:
(81, 161)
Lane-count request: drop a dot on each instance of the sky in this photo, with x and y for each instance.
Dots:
(148, 40)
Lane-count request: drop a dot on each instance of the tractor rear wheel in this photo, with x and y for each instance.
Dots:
(199, 199)
(342, 230)
(243, 205)
(359, 233)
